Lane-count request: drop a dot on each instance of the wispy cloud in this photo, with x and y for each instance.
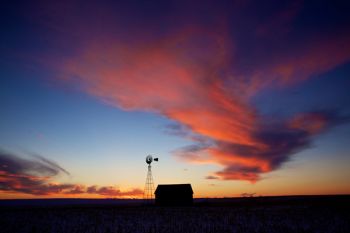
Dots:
(51, 163)
(113, 191)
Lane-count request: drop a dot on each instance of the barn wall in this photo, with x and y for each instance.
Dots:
(179, 200)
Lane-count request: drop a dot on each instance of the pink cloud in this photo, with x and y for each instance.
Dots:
(176, 79)
(113, 191)
(203, 77)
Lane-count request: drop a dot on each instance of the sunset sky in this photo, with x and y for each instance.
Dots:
(232, 96)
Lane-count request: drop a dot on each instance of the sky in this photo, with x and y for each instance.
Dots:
(232, 96)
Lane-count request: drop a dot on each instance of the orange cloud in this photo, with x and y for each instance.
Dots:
(115, 192)
(202, 72)
(187, 77)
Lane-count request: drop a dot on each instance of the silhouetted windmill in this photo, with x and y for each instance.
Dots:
(148, 193)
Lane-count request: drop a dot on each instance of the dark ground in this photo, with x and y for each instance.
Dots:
(259, 214)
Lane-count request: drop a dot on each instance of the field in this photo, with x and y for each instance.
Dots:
(281, 214)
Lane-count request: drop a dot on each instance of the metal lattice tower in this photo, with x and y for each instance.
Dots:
(148, 193)
(149, 186)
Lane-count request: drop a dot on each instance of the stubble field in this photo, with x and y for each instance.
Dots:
(214, 216)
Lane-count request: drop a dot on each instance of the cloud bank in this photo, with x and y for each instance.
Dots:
(19, 175)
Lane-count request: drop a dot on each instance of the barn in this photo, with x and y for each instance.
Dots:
(174, 195)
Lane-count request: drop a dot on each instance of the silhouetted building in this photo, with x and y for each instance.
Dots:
(174, 194)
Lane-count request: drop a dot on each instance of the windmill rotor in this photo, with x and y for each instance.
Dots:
(149, 159)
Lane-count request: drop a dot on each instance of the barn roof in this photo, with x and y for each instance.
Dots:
(173, 188)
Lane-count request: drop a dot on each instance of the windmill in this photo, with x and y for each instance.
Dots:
(149, 186)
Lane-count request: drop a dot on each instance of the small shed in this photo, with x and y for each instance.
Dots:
(174, 195)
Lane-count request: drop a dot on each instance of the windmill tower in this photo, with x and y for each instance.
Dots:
(148, 193)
